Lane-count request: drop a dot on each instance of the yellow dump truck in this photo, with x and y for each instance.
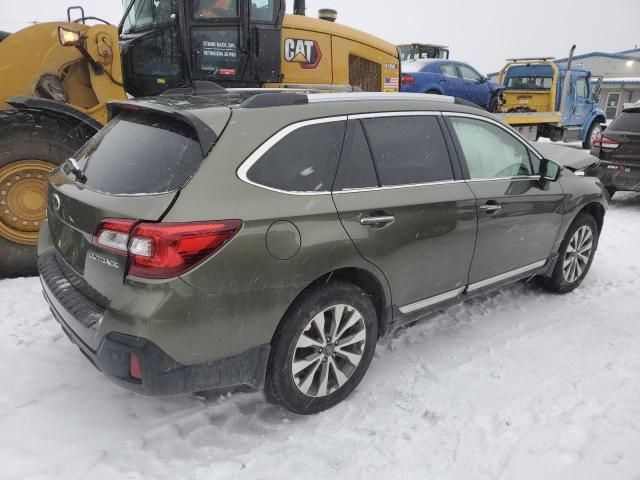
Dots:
(56, 78)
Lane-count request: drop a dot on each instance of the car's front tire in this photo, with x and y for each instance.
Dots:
(575, 255)
(322, 348)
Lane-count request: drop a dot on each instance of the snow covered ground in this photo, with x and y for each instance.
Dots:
(520, 384)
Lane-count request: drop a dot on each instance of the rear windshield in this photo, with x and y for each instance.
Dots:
(626, 122)
(529, 83)
(140, 153)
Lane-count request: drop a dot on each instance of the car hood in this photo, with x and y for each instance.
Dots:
(566, 155)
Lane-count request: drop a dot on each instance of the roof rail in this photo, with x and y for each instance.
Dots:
(341, 97)
(274, 99)
(531, 59)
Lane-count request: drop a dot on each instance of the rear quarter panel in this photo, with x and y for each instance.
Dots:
(244, 289)
(424, 82)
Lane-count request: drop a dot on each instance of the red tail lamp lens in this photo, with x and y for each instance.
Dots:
(408, 79)
(160, 250)
(134, 367)
(164, 250)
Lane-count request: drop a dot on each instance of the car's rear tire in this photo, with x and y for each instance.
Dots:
(575, 255)
(433, 92)
(322, 348)
(594, 129)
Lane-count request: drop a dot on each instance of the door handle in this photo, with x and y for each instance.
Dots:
(490, 208)
(377, 221)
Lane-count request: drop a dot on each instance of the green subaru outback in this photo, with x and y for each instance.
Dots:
(269, 239)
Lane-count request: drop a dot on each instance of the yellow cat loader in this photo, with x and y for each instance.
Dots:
(56, 79)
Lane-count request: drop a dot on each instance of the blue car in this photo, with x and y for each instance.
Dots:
(446, 77)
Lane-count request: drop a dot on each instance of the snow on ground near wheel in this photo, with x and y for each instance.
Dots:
(520, 384)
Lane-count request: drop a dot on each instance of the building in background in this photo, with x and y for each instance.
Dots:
(621, 77)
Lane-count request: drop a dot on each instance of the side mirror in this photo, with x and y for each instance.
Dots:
(549, 170)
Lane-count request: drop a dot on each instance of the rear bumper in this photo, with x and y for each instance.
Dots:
(161, 374)
(615, 175)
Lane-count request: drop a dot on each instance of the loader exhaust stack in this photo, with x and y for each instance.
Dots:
(299, 7)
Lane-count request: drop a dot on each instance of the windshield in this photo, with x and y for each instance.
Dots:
(148, 15)
(209, 9)
(140, 153)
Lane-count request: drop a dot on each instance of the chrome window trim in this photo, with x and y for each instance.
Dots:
(504, 276)
(527, 178)
(395, 187)
(393, 96)
(245, 166)
(404, 113)
(427, 302)
(498, 124)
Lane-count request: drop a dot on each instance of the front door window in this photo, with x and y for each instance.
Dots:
(489, 151)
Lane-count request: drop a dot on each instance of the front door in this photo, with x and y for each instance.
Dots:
(583, 103)
(405, 209)
(519, 215)
(474, 87)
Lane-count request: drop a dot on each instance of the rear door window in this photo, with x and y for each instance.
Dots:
(449, 69)
(140, 153)
(408, 150)
(356, 164)
(305, 160)
(626, 122)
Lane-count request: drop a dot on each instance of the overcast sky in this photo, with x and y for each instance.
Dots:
(482, 33)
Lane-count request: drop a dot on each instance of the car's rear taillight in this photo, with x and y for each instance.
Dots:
(604, 142)
(408, 79)
(134, 367)
(164, 250)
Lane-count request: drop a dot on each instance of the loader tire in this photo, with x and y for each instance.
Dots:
(32, 144)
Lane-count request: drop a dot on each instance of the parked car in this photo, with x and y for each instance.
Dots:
(618, 148)
(446, 77)
(269, 239)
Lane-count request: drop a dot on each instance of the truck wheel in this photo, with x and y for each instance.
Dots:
(32, 144)
(322, 348)
(594, 130)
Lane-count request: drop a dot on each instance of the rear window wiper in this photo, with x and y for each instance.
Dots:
(76, 170)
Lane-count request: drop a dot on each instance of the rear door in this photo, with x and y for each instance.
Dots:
(402, 204)
(450, 80)
(233, 42)
(134, 168)
(518, 215)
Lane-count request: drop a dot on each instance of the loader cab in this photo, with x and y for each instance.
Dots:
(171, 43)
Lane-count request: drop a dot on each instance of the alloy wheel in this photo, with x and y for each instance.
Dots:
(329, 350)
(578, 253)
